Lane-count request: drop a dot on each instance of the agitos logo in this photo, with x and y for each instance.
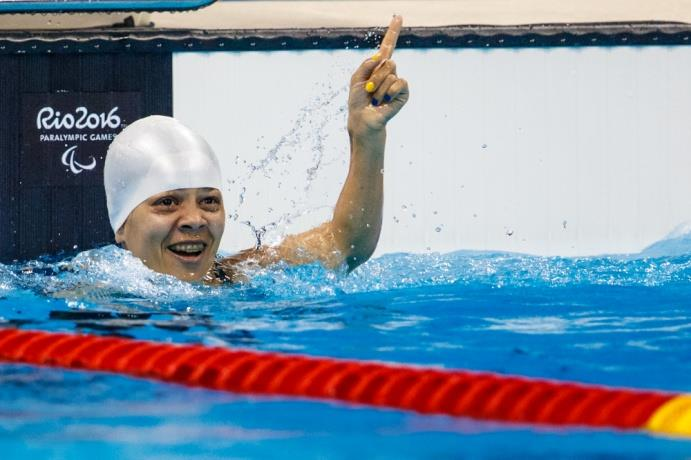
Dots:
(76, 167)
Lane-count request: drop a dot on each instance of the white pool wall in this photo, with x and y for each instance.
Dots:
(550, 151)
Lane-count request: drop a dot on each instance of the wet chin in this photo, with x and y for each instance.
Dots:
(186, 271)
(181, 274)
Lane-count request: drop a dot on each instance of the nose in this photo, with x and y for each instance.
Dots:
(191, 220)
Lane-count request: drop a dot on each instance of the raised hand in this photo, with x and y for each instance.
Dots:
(376, 92)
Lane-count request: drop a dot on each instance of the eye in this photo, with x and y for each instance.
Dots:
(165, 202)
(210, 202)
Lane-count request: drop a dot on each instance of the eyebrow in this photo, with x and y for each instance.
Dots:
(210, 190)
(179, 194)
(169, 193)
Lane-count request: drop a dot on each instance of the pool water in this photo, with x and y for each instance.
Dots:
(618, 320)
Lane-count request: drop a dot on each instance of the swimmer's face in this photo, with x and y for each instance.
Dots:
(176, 232)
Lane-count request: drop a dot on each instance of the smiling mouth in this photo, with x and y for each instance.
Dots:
(189, 251)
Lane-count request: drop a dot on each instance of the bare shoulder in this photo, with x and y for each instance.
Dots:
(231, 269)
(315, 245)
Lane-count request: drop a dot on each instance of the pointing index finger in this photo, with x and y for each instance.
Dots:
(388, 44)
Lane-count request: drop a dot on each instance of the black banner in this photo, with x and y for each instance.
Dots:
(57, 117)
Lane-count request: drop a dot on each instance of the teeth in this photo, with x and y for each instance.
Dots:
(188, 247)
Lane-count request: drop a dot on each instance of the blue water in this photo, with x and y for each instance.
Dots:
(623, 321)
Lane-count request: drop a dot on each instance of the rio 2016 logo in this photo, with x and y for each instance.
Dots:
(49, 118)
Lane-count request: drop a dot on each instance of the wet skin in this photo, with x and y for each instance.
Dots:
(176, 232)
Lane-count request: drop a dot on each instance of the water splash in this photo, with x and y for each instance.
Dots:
(114, 272)
(112, 276)
(477, 269)
(107, 275)
(300, 154)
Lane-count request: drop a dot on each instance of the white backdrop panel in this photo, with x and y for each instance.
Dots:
(564, 151)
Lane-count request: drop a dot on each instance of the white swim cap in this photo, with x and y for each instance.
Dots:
(154, 155)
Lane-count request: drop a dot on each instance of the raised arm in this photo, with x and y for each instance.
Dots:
(376, 96)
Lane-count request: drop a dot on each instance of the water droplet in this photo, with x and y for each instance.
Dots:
(484, 146)
(367, 225)
(381, 171)
(414, 215)
(509, 232)
(438, 229)
(404, 207)
(75, 246)
(435, 212)
(563, 224)
(352, 246)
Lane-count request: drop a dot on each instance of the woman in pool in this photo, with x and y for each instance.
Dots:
(163, 188)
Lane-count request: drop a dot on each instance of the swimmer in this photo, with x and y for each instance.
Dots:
(163, 188)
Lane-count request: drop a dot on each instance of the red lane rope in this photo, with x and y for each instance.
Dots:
(431, 391)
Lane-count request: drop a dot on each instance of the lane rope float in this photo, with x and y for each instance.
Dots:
(478, 395)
